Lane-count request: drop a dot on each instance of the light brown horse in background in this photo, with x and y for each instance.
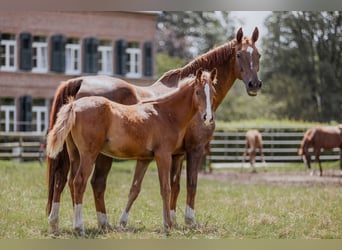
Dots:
(253, 142)
(237, 59)
(152, 129)
(318, 138)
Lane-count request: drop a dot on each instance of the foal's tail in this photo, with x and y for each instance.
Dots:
(65, 121)
(64, 91)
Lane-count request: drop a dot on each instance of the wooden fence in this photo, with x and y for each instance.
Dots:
(281, 144)
(22, 146)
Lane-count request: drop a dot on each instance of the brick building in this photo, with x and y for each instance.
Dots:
(41, 49)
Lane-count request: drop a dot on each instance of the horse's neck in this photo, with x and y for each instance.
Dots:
(225, 80)
(221, 58)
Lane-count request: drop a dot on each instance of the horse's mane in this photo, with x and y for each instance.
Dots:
(209, 60)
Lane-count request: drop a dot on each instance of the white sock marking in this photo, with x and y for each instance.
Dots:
(102, 219)
(53, 217)
(189, 212)
(78, 222)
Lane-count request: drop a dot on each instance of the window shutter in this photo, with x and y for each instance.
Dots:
(91, 55)
(25, 113)
(148, 62)
(121, 60)
(58, 53)
(25, 51)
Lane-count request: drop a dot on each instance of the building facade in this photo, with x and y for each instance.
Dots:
(38, 50)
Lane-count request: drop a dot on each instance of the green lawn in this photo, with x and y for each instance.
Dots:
(223, 210)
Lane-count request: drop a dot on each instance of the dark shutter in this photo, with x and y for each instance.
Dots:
(91, 55)
(58, 53)
(121, 60)
(148, 62)
(25, 51)
(25, 113)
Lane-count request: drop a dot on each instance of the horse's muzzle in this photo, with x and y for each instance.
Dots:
(253, 87)
(208, 121)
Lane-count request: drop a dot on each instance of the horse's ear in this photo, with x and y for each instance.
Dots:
(213, 75)
(199, 73)
(239, 35)
(255, 35)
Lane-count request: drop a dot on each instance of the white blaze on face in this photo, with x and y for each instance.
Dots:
(208, 108)
(250, 51)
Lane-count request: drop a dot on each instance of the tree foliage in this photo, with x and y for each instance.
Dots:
(301, 64)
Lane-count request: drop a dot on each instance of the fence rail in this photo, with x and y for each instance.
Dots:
(22, 146)
(281, 144)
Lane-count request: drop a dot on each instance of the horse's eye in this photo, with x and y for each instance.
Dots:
(238, 55)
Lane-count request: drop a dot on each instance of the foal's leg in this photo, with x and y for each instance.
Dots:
(139, 173)
(164, 161)
(80, 183)
(103, 165)
(61, 164)
(175, 175)
(194, 157)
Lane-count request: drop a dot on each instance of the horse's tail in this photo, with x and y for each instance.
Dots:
(57, 136)
(64, 91)
(307, 138)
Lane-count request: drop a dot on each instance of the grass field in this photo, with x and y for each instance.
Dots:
(223, 210)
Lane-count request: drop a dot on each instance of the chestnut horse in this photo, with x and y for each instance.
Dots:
(237, 59)
(253, 142)
(325, 137)
(150, 129)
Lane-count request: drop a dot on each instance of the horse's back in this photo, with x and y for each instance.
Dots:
(326, 137)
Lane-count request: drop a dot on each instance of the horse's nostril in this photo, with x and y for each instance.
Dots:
(204, 117)
(260, 83)
(250, 84)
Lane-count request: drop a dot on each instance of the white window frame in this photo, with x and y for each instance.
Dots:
(41, 124)
(8, 110)
(106, 59)
(41, 57)
(134, 64)
(72, 58)
(7, 44)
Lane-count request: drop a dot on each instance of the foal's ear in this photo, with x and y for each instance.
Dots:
(239, 35)
(213, 75)
(199, 73)
(255, 35)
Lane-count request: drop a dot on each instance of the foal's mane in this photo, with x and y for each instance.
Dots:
(183, 84)
(209, 60)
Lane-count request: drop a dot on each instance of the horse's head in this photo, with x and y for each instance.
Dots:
(247, 61)
(205, 94)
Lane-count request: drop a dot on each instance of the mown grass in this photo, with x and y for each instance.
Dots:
(223, 210)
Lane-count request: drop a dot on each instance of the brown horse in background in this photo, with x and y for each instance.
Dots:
(147, 130)
(237, 59)
(253, 142)
(318, 138)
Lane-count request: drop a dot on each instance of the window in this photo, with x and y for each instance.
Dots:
(39, 54)
(8, 115)
(105, 59)
(40, 115)
(8, 54)
(133, 63)
(73, 56)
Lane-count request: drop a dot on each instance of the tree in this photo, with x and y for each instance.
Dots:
(302, 64)
(188, 33)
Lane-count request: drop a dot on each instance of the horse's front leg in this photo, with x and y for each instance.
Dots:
(103, 165)
(139, 173)
(164, 161)
(175, 175)
(194, 157)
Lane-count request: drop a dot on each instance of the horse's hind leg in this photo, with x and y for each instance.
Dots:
(139, 173)
(61, 164)
(103, 165)
(175, 175)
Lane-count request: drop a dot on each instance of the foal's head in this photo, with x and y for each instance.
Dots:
(204, 94)
(247, 61)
